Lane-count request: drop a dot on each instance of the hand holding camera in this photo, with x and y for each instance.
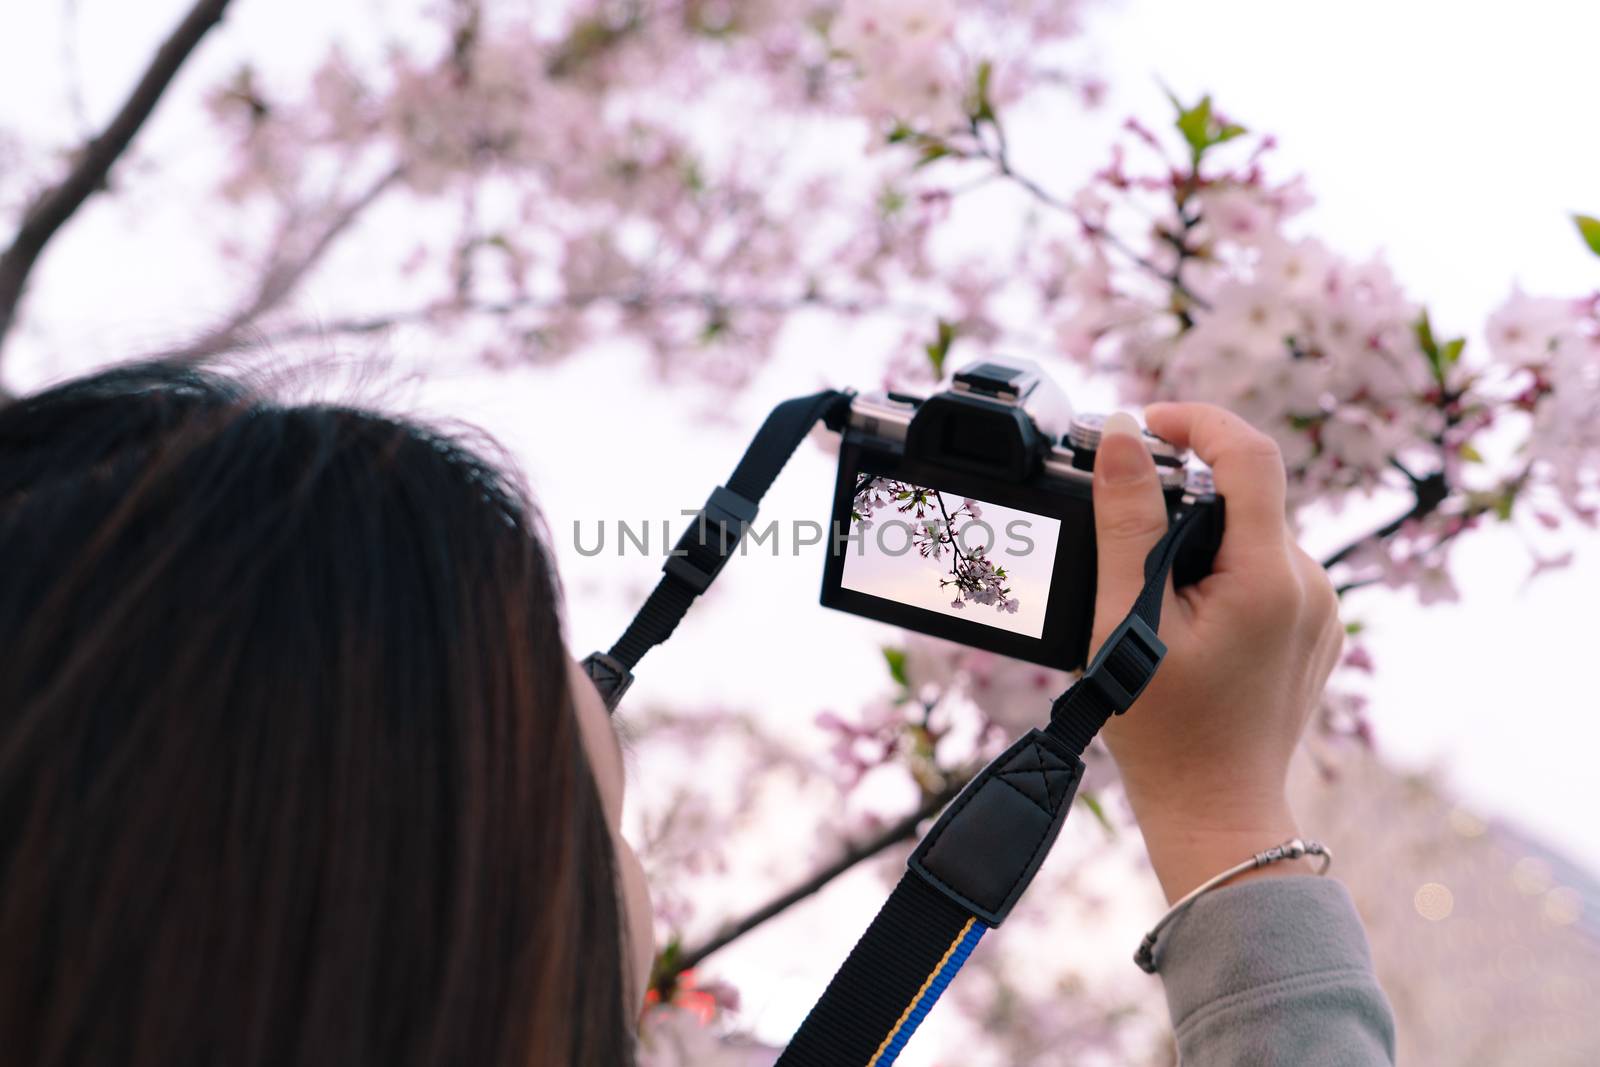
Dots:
(1119, 547)
(1205, 754)
(968, 514)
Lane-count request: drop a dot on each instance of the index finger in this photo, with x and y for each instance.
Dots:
(1245, 464)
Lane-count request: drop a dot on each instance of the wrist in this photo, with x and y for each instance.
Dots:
(1187, 847)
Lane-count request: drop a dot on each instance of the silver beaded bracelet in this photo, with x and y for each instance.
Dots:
(1290, 850)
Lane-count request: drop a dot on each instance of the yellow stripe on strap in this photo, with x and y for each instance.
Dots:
(951, 951)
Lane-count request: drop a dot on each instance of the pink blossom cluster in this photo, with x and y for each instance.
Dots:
(903, 52)
(1197, 286)
(937, 530)
(1556, 343)
(607, 170)
(1231, 308)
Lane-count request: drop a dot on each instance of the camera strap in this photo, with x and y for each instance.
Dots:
(972, 867)
(713, 536)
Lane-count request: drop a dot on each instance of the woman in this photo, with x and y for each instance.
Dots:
(295, 767)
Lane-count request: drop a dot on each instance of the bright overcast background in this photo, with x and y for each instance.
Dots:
(1454, 137)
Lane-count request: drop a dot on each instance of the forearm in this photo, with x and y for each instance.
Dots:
(1274, 971)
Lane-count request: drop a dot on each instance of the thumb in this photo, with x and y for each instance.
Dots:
(1130, 515)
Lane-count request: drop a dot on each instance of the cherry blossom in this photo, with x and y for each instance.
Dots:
(595, 172)
(938, 529)
(903, 49)
(1556, 343)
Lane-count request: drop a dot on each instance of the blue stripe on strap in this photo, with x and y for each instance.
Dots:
(928, 995)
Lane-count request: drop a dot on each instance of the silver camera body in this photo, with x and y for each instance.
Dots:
(1072, 439)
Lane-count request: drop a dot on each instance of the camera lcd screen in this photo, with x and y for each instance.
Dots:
(950, 554)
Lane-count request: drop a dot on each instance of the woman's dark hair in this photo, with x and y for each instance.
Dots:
(289, 769)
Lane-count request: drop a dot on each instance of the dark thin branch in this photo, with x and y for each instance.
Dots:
(637, 300)
(1413, 479)
(1346, 587)
(280, 278)
(889, 836)
(1000, 157)
(1388, 529)
(958, 557)
(1049, 199)
(1431, 492)
(592, 38)
(51, 210)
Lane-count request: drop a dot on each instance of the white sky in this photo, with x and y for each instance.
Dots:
(1455, 137)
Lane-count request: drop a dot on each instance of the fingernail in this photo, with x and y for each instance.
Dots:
(1122, 457)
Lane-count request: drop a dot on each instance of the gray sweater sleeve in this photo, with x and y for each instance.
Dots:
(1274, 971)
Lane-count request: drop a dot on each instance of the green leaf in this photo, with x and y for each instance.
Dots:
(1201, 128)
(1468, 453)
(939, 347)
(901, 132)
(896, 658)
(1425, 341)
(1092, 802)
(693, 179)
(1440, 357)
(1354, 627)
(1589, 227)
(982, 105)
(1229, 132)
(931, 151)
(1195, 125)
(665, 964)
(716, 325)
(1503, 506)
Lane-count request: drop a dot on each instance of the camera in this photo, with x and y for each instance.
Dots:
(969, 514)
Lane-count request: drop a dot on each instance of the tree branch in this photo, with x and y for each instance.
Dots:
(955, 549)
(1431, 491)
(280, 278)
(1349, 587)
(1000, 158)
(865, 850)
(637, 300)
(52, 208)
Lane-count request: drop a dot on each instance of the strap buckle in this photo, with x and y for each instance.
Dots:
(708, 543)
(1124, 665)
(610, 676)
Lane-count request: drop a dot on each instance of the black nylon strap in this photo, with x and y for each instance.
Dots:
(911, 935)
(1130, 655)
(780, 435)
(713, 537)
